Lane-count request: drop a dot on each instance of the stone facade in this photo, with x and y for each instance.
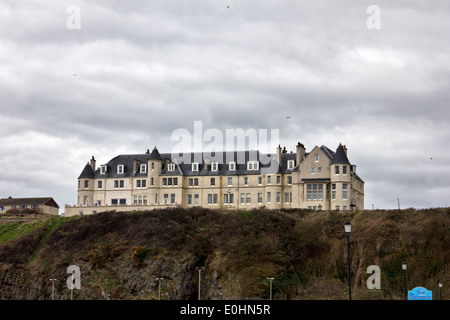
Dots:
(318, 180)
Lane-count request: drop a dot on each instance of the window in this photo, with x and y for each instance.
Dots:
(194, 166)
(288, 197)
(122, 201)
(242, 198)
(153, 166)
(214, 166)
(141, 183)
(118, 184)
(138, 183)
(314, 191)
(86, 183)
(85, 200)
(114, 201)
(344, 191)
(344, 169)
(164, 181)
(103, 169)
(228, 198)
(248, 198)
(196, 199)
(171, 167)
(333, 191)
(143, 168)
(212, 198)
(278, 197)
(313, 170)
(231, 166)
(269, 196)
(290, 164)
(245, 181)
(175, 181)
(316, 157)
(99, 184)
(269, 179)
(213, 181)
(260, 198)
(319, 170)
(336, 170)
(195, 182)
(252, 165)
(337, 208)
(120, 169)
(278, 179)
(144, 199)
(289, 179)
(152, 181)
(189, 199)
(172, 198)
(259, 180)
(230, 181)
(166, 198)
(190, 182)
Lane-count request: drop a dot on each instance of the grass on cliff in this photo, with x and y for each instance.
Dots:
(305, 251)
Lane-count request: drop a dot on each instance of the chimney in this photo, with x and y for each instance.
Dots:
(300, 153)
(279, 154)
(345, 149)
(284, 150)
(92, 163)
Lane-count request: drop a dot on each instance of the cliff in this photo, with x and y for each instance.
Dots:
(121, 254)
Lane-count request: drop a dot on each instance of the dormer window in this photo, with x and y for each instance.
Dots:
(120, 169)
(316, 157)
(214, 166)
(232, 166)
(252, 165)
(103, 169)
(291, 164)
(143, 168)
(171, 167)
(195, 166)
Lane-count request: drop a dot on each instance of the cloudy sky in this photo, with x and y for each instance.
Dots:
(102, 78)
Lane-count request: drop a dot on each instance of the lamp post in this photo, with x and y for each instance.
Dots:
(404, 265)
(440, 289)
(348, 229)
(53, 286)
(199, 269)
(159, 287)
(270, 280)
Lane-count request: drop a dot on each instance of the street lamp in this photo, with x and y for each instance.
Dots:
(199, 269)
(440, 289)
(404, 265)
(270, 279)
(159, 287)
(348, 229)
(53, 286)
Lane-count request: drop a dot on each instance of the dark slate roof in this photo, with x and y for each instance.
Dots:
(155, 154)
(28, 201)
(340, 157)
(268, 163)
(87, 172)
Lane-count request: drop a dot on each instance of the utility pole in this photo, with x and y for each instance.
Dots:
(199, 269)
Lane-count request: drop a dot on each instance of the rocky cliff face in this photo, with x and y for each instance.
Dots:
(120, 255)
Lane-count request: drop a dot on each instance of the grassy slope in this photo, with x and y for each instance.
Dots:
(304, 251)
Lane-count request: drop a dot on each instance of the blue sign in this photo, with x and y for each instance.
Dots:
(420, 293)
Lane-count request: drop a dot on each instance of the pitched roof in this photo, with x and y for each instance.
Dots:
(28, 201)
(340, 157)
(155, 154)
(87, 172)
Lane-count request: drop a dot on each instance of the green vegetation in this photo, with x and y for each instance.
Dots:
(305, 251)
